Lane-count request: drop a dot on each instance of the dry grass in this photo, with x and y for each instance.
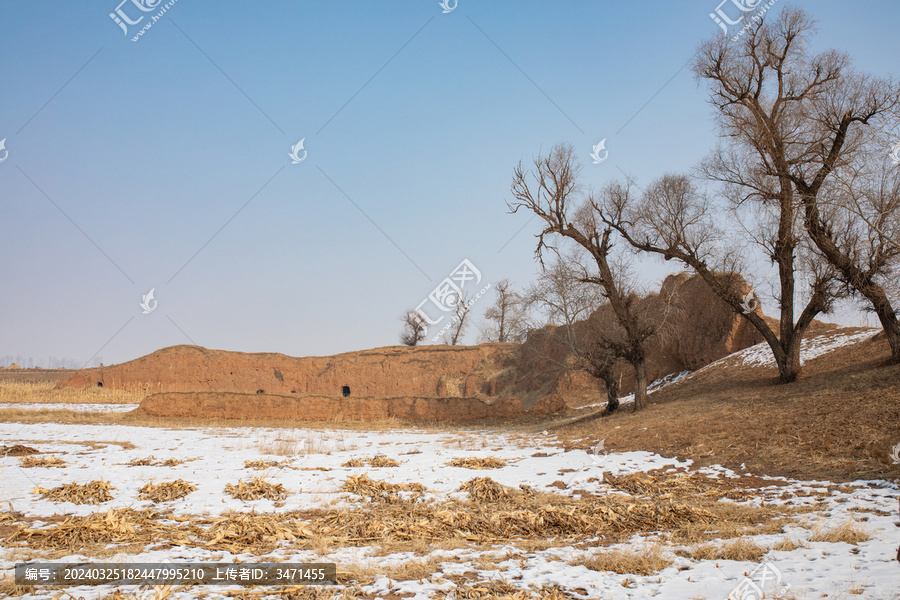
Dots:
(17, 450)
(787, 545)
(9, 589)
(257, 489)
(837, 422)
(402, 519)
(742, 549)
(166, 490)
(45, 392)
(648, 561)
(848, 532)
(94, 492)
(150, 461)
(373, 461)
(473, 462)
(261, 465)
(27, 462)
(92, 444)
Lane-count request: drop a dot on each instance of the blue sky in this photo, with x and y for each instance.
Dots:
(164, 163)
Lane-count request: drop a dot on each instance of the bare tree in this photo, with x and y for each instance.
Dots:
(802, 117)
(414, 328)
(870, 192)
(507, 319)
(556, 197)
(673, 219)
(566, 300)
(561, 295)
(459, 322)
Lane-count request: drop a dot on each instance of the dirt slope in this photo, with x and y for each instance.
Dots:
(838, 421)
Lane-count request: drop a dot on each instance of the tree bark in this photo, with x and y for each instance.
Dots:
(612, 395)
(640, 384)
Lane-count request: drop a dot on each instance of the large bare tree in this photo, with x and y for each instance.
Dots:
(675, 220)
(552, 192)
(791, 119)
(507, 319)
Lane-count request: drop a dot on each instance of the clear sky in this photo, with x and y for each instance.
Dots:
(164, 162)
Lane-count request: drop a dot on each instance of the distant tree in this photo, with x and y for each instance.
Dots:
(562, 294)
(414, 328)
(507, 319)
(459, 323)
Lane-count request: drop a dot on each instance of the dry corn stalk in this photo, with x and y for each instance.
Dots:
(166, 490)
(373, 461)
(41, 461)
(473, 462)
(94, 492)
(256, 489)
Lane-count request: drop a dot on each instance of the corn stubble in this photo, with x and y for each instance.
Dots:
(95, 492)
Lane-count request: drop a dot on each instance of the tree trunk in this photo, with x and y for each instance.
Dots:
(612, 394)
(892, 330)
(640, 384)
(789, 361)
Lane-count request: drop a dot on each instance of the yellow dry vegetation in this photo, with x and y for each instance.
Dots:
(166, 490)
(94, 492)
(27, 462)
(474, 462)
(257, 489)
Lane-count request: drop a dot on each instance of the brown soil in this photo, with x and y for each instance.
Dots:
(430, 383)
(224, 405)
(838, 421)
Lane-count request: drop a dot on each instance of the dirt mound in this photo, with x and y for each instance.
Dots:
(431, 383)
(225, 405)
(426, 371)
(702, 329)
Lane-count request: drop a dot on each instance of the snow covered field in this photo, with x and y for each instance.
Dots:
(215, 457)
(78, 407)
